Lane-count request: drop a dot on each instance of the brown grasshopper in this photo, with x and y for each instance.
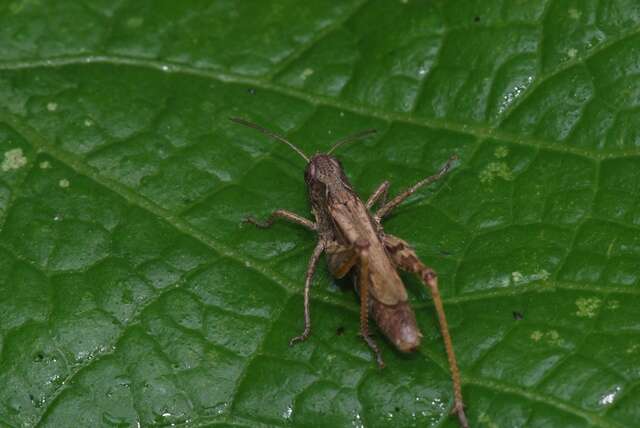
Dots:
(353, 239)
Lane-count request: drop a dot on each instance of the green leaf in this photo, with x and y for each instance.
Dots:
(130, 293)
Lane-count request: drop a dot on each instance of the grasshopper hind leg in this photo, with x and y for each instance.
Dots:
(405, 258)
(362, 249)
(342, 259)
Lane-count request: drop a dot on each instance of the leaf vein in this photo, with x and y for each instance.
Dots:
(488, 132)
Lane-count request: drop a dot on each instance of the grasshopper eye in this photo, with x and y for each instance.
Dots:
(311, 170)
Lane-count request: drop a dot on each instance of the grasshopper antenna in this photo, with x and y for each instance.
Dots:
(269, 133)
(359, 136)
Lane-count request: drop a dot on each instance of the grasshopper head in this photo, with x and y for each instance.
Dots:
(325, 177)
(324, 174)
(323, 169)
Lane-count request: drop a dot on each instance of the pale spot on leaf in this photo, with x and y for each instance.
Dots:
(613, 304)
(501, 152)
(496, 170)
(588, 307)
(135, 22)
(633, 349)
(306, 73)
(13, 159)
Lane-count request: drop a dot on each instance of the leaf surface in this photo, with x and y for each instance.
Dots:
(130, 293)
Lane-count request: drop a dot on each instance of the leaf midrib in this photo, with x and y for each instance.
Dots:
(489, 133)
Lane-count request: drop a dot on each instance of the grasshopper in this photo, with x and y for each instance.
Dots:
(353, 239)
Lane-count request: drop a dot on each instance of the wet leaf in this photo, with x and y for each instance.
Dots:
(130, 293)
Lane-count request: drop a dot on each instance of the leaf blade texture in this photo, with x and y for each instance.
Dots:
(131, 294)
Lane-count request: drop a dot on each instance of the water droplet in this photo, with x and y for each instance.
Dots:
(357, 421)
(438, 404)
(220, 408)
(287, 412)
(513, 94)
(609, 397)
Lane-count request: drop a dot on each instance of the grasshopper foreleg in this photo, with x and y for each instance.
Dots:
(313, 262)
(405, 258)
(283, 214)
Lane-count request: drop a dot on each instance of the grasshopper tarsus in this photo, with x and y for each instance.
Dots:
(257, 223)
(297, 339)
(374, 348)
(458, 410)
